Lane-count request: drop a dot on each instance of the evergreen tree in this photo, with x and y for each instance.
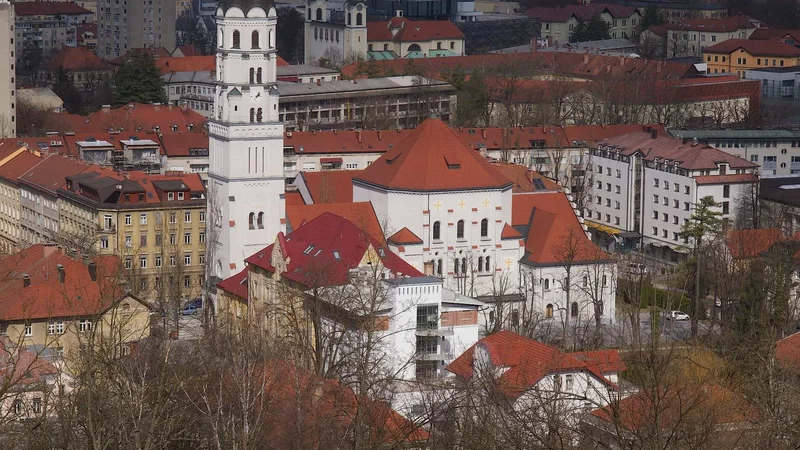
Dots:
(290, 36)
(473, 102)
(595, 29)
(67, 91)
(651, 17)
(138, 80)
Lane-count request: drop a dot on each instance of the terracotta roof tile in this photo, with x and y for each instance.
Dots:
(361, 214)
(527, 361)
(294, 199)
(755, 47)
(76, 58)
(50, 174)
(330, 186)
(175, 144)
(509, 232)
(727, 179)
(412, 31)
(324, 250)
(526, 180)
(554, 233)
(606, 361)
(186, 64)
(14, 168)
(787, 352)
(775, 33)
(746, 244)
(236, 284)
(134, 117)
(404, 237)
(38, 8)
(433, 158)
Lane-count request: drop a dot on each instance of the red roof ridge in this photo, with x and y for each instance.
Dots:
(404, 237)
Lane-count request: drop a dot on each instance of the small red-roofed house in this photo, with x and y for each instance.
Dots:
(787, 352)
(86, 70)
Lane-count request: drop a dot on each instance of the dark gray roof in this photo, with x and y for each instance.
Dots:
(777, 69)
(246, 5)
(735, 134)
(170, 185)
(414, 280)
(784, 190)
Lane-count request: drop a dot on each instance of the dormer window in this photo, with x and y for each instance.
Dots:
(170, 196)
(308, 249)
(180, 195)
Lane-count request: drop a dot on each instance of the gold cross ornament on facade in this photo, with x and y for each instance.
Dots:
(508, 264)
(486, 202)
(462, 204)
(437, 205)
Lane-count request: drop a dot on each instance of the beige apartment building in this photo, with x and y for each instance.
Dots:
(154, 223)
(58, 302)
(691, 37)
(8, 125)
(123, 26)
(12, 166)
(559, 23)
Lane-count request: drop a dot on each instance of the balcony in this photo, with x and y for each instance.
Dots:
(433, 356)
(434, 330)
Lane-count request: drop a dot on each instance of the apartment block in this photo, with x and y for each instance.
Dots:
(777, 152)
(739, 55)
(8, 115)
(47, 26)
(126, 25)
(645, 187)
(559, 23)
(691, 37)
(154, 223)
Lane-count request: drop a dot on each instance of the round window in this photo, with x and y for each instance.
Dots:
(783, 152)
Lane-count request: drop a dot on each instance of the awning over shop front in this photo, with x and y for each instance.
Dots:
(602, 228)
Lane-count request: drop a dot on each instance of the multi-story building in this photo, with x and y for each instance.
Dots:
(646, 187)
(132, 151)
(60, 302)
(85, 70)
(335, 37)
(559, 23)
(132, 25)
(673, 11)
(777, 152)
(11, 168)
(187, 153)
(47, 26)
(383, 103)
(739, 55)
(154, 223)
(40, 221)
(403, 38)
(778, 84)
(8, 113)
(779, 202)
(691, 37)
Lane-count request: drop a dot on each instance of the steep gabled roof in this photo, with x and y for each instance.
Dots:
(526, 180)
(236, 284)
(787, 352)
(554, 234)
(404, 237)
(756, 48)
(412, 31)
(21, 163)
(360, 214)
(746, 244)
(323, 251)
(77, 58)
(526, 361)
(432, 158)
(51, 174)
(330, 186)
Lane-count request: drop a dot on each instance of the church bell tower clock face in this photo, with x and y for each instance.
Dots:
(257, 97)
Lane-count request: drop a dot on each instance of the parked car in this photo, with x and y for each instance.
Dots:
(192, 308)
(677, 315)
(637, 269)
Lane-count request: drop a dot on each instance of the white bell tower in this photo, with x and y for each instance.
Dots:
(246, 183)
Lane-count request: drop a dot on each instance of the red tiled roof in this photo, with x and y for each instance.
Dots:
(281, 62)
(432, 158)
(509, 233)
(134, 117)
(236, 284)
(606, 361)
(331, 142)
(527, 362)
(41, 8)
(727, 179)
(720, 25)
(330, 186)
(294, 199)
(688, 155)
(775, 33)
(82, 28)
(21, 369)
(555, 235)
(412, 31)
(178, 144)
(76, 58)
(186, 64)
(522, 177)
(323, 251)
(404, 237)
(50, 175)
(71, 147)
(787, 352)
(755, 47)
(13, 169)
(746, 244)
(678, 406)
(187, 50)
(46, 297)
(360, 214)
(593, 133)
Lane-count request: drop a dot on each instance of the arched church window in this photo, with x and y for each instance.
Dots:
(252, 75)
(437, 230)
(337, 35)
(315, 33)
(258, 76)
(235, 39)
(439, 267)
(359, 19)
(548, 312)
(251, 220)
(220, 38)
(460, 230)
(463, 266)
(574, 309)
(488, 265)
(261, 221)
(270, 39)
(254, 40)
(485, 228)
(414, 48)
(349, 19)
(319, 14)
(480, 264)
(252, 115)
(309, 13)
(258, 116)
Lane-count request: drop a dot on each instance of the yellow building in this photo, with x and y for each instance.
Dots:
(154, 223)
(62, 302)
(739, 55)
(12, 165)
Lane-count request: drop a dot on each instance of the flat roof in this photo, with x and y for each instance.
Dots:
(784, 190)
(735, 134)
(339, 87)
(94, 143)
(303, 69)
(777, 69)
(138, 142)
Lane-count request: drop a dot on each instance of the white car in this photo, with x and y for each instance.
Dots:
(677, 315)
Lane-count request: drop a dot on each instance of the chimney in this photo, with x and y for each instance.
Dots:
(62, 273)
(358, 136)
(92, 270)
(586, 58)
(379, 135)
(483, 132)
(398, 13)
(319, 81)
(534, 45)
(73, 254)
(85, 259)
(658, 66)
(184, 107)
(654, 133)
(26, 280)
(106, 108)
